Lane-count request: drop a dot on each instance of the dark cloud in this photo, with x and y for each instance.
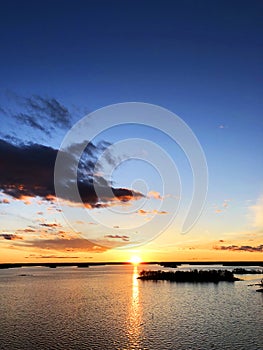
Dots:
(28, 171)
(88, 147)
(51, 225)
(86, 155)
(11, 138)
(10, 237)
(123, 237)
(243, 248)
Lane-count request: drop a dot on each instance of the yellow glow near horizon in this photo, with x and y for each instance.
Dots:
(135, 260)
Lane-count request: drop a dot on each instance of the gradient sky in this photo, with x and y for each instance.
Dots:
(200, 59)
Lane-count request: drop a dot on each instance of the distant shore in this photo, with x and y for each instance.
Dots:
(164, 264)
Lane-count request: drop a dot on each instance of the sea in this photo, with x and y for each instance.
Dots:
(108, 308)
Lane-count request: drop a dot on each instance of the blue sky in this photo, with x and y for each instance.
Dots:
(200, 59)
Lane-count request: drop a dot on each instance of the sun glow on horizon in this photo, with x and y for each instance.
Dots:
(135, 260)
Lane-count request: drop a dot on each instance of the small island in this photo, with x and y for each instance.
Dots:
(195, 276)
(261, 286)
(169, 264)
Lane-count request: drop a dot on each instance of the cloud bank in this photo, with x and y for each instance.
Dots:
(28, 171)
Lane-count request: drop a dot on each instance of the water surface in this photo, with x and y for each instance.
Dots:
(107, 308)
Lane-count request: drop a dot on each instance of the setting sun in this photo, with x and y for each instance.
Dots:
(135, 260)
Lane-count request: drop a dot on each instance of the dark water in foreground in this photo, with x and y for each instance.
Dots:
(107, 308)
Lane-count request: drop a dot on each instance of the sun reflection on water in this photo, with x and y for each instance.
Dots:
(135, 286)
(134, 320)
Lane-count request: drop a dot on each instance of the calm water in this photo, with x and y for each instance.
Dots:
(108, 308)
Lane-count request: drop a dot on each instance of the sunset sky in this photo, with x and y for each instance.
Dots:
(61, 60)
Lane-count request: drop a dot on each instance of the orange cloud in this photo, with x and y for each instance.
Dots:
(26, 199)
(29, 230)
(162, 212)
(10, 236)
(222, 207)
(148, 212)
(142, 212)
(154, 194)
(5, 201)
(65, 244)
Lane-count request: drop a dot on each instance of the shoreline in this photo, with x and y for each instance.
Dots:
(161, 263)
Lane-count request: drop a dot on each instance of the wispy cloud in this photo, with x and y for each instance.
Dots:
(65, 245)
(256, 213)
(52, 256)
(49, 109)
(154, 194)
(122, 237)
(221, 208)
(40, 113)
(150, 212)
(31, 121)
(222, 126)
(3, 111)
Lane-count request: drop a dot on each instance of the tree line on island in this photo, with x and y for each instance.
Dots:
(214, 276)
